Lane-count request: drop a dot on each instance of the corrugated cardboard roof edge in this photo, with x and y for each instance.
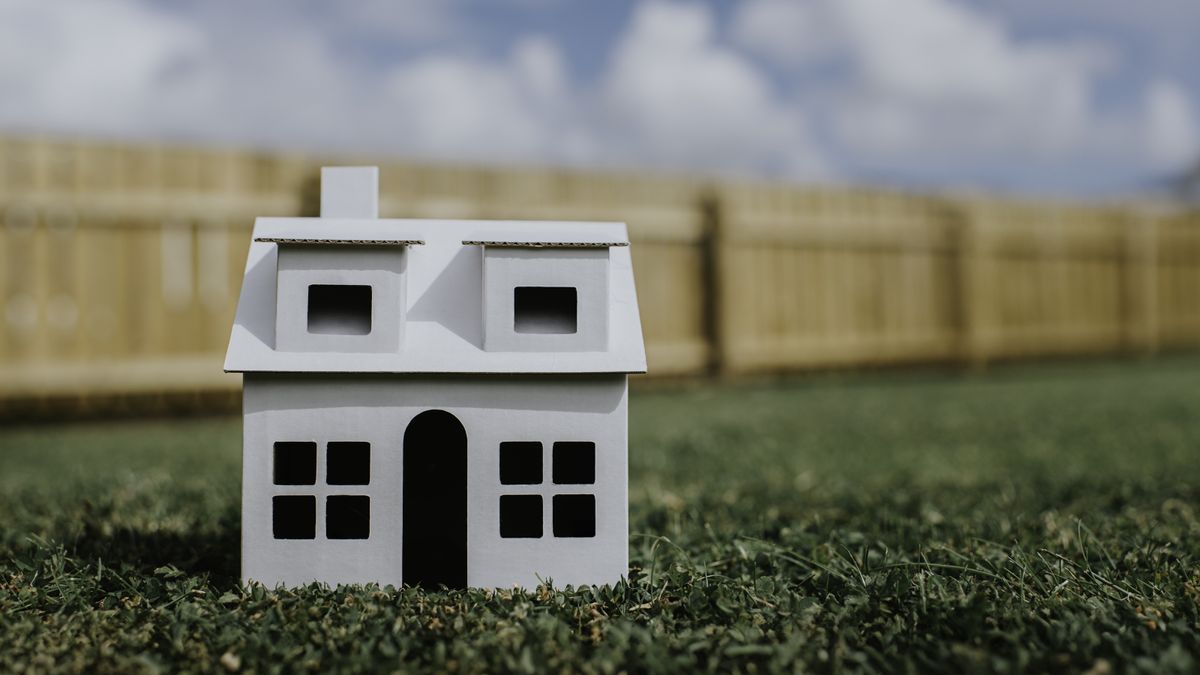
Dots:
(434, 402)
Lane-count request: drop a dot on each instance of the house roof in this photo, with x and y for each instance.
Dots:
(546, 244)
(444, 322)
(322, 241)
(574, 235)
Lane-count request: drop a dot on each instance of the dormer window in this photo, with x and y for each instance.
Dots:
(336, 291)
(545, 310)
(541, 296)
(340, 296)
(339, 309)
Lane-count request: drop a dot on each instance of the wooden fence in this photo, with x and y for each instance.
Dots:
(120, 266)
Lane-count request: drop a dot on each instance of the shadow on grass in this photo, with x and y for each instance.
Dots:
(214, 551)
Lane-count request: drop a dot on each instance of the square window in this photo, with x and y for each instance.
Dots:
(574, 463)
(294, 517)
(574, 515)
(348, 463)
(545, 309)
(295, 463)
(339, 309)
(521, 516)
(348, 517)
(520, 463)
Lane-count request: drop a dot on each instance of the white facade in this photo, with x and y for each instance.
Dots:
(434, 402)
(492, 411)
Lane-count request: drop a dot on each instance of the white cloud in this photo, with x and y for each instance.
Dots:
(540, 65)
(469, 109)
(935, 90)
(273, 75)
(674, 97)
(787, 31)
(1172, 133)
(939, 87)
(669, 97)
(299, 74)
(935, 78)
(963, 85)
(92, 67)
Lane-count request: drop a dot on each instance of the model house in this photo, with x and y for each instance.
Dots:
(434, 402)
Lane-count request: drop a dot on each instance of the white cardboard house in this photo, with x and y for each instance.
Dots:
(434, 402)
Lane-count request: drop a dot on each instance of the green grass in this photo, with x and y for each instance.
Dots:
(1036, 518)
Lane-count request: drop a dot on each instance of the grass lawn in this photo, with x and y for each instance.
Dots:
(1034, 518)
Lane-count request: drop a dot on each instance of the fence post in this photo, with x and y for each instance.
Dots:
(1139, 282)
(968, 293)
(712, 245)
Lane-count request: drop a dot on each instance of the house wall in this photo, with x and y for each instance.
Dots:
(378, 409)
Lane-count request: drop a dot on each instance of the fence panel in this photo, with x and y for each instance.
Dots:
(818, 278)
(122, 265)
(1178, 279)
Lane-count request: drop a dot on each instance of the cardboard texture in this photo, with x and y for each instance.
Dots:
(434, 402)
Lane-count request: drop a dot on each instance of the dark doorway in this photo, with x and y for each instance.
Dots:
(435, 501)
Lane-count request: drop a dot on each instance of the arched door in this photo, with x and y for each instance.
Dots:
(435, 501)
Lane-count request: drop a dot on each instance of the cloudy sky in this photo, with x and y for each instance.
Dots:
(1034, 96)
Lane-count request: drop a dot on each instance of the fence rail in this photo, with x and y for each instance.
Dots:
(121, 265)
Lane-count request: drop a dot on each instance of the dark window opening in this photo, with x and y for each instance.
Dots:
(520, 463)
(545, 309)
(294, 517)
(574, 463)
(348, 517)
(348, 463)
(521, 516)
(295, 463)
(339, 309)
(574, 515)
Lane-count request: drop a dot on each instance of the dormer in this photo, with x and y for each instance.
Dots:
(546, 296)
(338, 293)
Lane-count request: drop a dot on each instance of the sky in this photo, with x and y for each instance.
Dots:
(1076, 97)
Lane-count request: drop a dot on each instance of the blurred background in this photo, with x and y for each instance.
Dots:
(808, 183)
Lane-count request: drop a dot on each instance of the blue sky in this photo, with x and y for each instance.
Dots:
(1085, 97)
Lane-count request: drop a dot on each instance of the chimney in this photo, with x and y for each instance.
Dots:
(350, 192)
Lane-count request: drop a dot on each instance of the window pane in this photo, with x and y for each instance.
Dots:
(348, 463)
(339, 309)
(295, 463)
(545, 309)
(348, 517)
(294, 517)
(521, 516)
(574, 463)
(574, 516)
(520, 463)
